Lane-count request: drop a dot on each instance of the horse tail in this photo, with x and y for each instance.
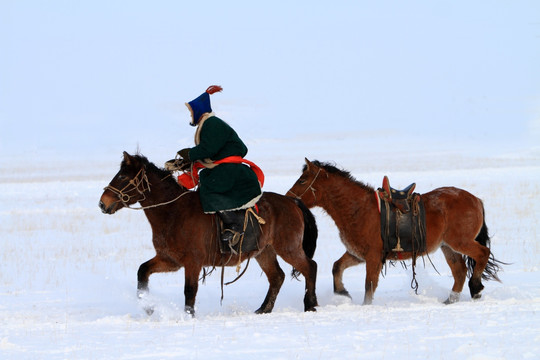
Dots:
(311, 233)
(493, 266)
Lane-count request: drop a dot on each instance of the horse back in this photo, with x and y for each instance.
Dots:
(278, 209)
(449, 196)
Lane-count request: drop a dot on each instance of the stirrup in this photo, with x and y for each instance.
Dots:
(231, 236)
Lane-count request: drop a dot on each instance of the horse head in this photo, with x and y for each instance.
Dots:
(127, 187)
(303, 187)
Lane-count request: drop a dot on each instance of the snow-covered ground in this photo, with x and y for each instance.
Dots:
(68, 272)
(437, 93)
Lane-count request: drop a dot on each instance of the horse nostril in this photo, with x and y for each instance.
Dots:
(102, 207)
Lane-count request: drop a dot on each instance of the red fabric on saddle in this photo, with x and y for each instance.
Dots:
(191, 179)
(378, 197)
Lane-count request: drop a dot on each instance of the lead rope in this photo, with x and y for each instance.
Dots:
(230, 282)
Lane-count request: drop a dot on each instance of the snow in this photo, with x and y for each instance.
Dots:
(68, 272)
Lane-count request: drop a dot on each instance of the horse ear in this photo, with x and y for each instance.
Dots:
(127, 158)
(308, 163)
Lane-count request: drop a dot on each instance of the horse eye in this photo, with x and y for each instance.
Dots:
(302, 181)
(122, 177)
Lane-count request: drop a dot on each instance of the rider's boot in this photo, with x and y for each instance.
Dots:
(233, 225)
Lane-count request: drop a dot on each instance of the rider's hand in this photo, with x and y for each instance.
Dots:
(176, 165)
(184, 154)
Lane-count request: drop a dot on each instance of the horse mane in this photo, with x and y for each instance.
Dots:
(152, 168)
(333, 169)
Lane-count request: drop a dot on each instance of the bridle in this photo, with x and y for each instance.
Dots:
(140, 185)
(310, 187)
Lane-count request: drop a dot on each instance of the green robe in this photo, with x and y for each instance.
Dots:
(226, 186)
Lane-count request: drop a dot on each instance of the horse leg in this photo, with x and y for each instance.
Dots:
(373, 269)
(307, 267)
(345, 261)
(459, 272)
(481, 257)
(191, 285)
(480, 254)
(156, 264)
(268, 262)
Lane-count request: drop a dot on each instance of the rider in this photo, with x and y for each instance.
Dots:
(227, 188)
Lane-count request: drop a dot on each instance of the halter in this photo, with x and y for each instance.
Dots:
(310, 187)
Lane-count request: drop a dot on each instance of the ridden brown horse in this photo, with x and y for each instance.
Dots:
(183, 236)
(454, 222)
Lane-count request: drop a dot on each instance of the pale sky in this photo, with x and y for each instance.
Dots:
(84, 74)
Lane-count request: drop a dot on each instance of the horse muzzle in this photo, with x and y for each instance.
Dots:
(111, 209)
(103, 207)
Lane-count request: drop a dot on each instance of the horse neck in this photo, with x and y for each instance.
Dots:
(162, 191)
(343, 197)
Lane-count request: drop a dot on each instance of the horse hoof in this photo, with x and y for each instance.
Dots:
(367, 301)
(262, 311)
(190, 311)
(143, 299)
(476, 288)
(312, 309)
(149, 310)
(453, 298)
(343, 293)
(449, 301)
(142, 294)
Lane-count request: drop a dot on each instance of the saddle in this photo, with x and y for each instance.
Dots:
(248, 240)
(403, 220)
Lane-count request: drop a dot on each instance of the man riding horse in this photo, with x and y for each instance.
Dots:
(226, 186)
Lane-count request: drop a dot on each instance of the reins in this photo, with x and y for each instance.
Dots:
(124, 193)
(160, 204)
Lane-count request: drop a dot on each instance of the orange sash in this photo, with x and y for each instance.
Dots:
(190, 179)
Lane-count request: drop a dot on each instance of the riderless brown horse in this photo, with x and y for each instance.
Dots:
(183, 236)
(454, 222)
